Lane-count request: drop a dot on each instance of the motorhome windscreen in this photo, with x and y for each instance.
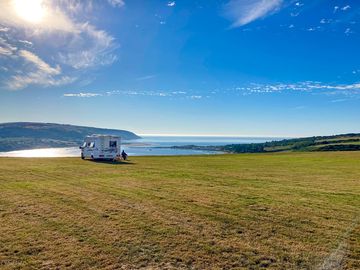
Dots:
(92, 145)
(112, 144)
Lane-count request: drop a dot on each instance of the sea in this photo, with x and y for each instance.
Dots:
(148, 146)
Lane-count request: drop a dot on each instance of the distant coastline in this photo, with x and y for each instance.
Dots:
(342, 142)
(30, 135)
(146, 146)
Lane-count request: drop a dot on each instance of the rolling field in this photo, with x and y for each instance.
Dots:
(249, 211)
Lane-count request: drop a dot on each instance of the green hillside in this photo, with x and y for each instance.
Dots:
(28, 135)
(343, 142)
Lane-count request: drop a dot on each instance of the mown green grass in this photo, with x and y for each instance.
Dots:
(277, 211)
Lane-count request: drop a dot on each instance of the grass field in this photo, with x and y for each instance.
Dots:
(250, 211)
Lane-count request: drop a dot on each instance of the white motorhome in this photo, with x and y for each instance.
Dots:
(101, 147)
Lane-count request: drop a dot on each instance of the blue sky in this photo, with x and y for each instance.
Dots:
(230, 67)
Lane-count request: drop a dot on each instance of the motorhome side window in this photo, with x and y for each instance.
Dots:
(112, 144)
(92, 145)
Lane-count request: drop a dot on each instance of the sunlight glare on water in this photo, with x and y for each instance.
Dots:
(46, 152)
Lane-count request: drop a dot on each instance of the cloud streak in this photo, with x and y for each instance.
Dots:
(39, 63)
(17, 82)
(6, 49)
(171, 4)
(148, 77)
(116, 3)
(150, 93)
(310, 87)
(243, 12)
(82, 95)
(307, 86)
(92, 48)
(36, 71)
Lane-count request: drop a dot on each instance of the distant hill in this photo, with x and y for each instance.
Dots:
(343, 142)
(28, 135)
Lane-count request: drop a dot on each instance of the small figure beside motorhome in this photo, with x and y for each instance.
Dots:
(105, 147)
(124, 155)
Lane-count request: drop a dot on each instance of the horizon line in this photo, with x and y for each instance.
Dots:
(208, 135)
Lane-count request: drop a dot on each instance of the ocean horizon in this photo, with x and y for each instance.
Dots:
(149, 145)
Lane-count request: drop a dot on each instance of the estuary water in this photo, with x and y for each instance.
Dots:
(148, 146)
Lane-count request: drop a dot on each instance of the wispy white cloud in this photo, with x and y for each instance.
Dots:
(77, 6)
(147, 77)
(151, 93)
(26, 42)
(82, 95)
(117, 3)
(348, 31)
(307, 86)
(196, 97)
(339, 91)
(6, 49)
(39, 63)
(4, 29)
(325, 21)
(171, 3)
(243, 12)
(339, 100)
(17, 82)
(344, 8)
(144, 93)
(36, 72)
(91, 48)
